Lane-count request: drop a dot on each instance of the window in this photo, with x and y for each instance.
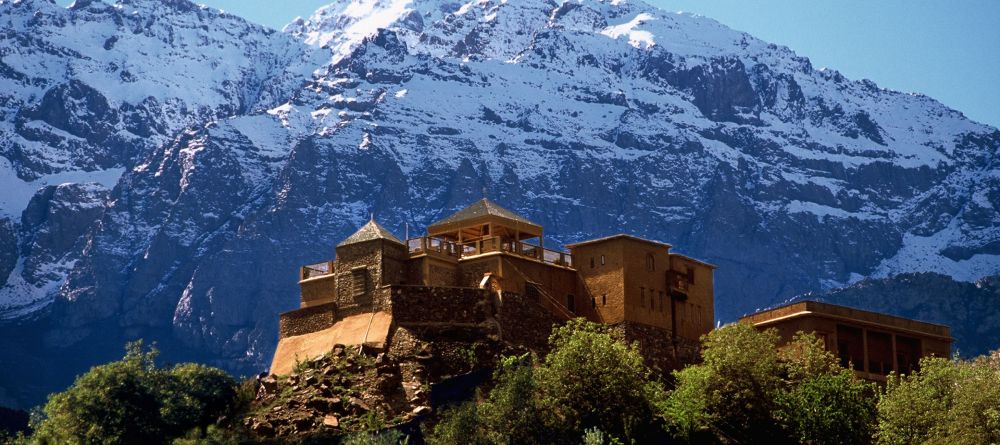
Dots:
(591, 262)
(359, 281)
(571, 303)
(650, 262)
(602, 260)
(604, 300)
(593, 302)
(690, 275)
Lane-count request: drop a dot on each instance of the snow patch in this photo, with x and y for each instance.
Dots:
(636, 37)
(16, 193)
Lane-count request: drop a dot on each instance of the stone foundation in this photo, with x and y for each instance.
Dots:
(307, 320)
(661, 349)
(525, 322)
(422, 305)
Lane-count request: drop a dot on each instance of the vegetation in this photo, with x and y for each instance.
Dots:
(590, 389)
(945, 402)
(134, 401)
(589, 381)
(749, 391)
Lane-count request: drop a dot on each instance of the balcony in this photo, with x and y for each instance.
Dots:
(317, 270)
(486, 245)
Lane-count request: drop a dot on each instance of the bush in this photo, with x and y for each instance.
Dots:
(589, 380)
(954, 402)
(733, 392)
(747, 390)
(132, 401)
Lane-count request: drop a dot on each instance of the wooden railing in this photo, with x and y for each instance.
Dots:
(432, 244)
(497, 244)
(317, 270)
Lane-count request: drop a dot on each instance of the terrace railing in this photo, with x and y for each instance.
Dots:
(497, 244)
(317, 270)
(432, 244)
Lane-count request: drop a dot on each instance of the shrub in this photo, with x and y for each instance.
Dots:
(953, 402)
(588, 380)
(132, 401)
(748, 390)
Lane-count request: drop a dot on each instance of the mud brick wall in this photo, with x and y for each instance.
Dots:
(451, 305)
(658, 346)
(306, 320)
(525, 322)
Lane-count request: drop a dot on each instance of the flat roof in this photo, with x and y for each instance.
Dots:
(614, 237)
(806, 308)
(694, 260)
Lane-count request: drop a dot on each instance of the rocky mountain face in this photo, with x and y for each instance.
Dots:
(167, 167)
(972, 310)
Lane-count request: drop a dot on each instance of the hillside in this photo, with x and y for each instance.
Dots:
(209, 157)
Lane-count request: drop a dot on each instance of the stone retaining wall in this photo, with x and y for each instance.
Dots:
(662, 351)
(525, 322)
(421, 305)
(306, 320)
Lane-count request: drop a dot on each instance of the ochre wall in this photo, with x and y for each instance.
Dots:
(647, 298)
(605, 282)
(879, 358)
(696, 315)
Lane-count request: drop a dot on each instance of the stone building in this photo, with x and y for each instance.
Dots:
(490, 261)
(873, 344)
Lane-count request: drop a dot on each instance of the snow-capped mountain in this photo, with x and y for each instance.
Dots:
(201, 159)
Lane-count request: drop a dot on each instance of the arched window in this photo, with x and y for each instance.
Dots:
(650, 262)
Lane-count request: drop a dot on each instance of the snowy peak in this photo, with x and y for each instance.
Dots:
(226, 154)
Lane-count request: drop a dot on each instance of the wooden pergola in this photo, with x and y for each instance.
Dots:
(482, 220)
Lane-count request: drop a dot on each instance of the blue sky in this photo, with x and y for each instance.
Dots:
(947, 49)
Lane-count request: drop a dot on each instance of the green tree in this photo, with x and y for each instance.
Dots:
(194, 395)
(115, 403)
(945, 402)
(914, 407)
(733, 393)
(459, 425)
(823, 403)
(591, 380)
(132, 401)
(510, 414)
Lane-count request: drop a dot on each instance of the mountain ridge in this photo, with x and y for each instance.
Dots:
(588, 117)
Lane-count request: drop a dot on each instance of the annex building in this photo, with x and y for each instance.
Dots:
(873, 344)
(486, 267)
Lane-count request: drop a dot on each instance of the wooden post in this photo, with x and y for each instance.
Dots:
(864, 348)
(895, 362)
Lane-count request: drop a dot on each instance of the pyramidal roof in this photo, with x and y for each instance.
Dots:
(370, 232)
(483, 207)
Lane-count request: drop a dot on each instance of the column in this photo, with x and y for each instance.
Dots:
(864, 347)
(895, 361)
